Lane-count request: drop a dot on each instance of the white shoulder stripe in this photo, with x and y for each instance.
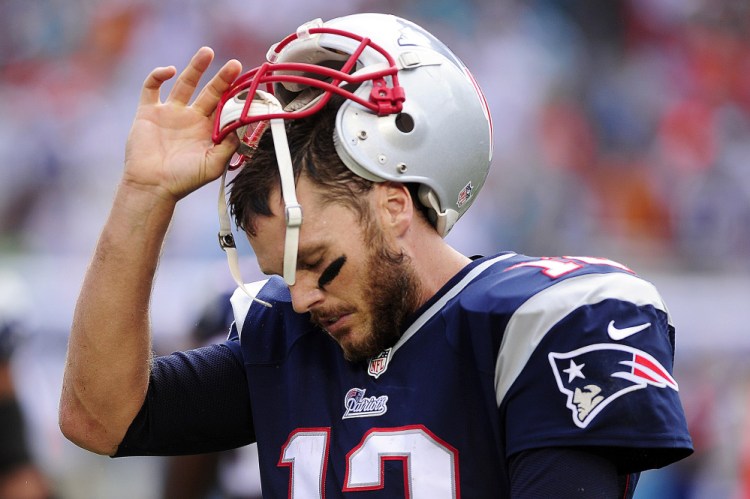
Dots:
(532, 321)
(242, 301)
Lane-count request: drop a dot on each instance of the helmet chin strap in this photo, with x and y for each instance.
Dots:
(292, 209)
(226, 240)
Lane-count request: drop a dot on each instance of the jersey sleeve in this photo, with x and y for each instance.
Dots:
(563, 472)
(588, 362)
(197, 402)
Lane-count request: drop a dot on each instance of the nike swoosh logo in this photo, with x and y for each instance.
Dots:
(618, 334)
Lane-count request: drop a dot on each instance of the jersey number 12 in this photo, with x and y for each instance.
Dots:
(430, 465)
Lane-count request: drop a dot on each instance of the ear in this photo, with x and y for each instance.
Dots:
(395, 207)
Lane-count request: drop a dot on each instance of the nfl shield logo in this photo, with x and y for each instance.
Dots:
(464, 195)
(379, 363)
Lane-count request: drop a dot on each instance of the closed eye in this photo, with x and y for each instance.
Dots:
(310, 266)
(330, 272)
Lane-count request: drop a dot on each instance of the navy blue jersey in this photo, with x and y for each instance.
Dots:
(512, 357)
(514, 353)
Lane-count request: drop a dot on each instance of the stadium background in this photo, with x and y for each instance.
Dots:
(622, 129)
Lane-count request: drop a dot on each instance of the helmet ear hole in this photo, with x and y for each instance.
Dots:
(404, 122)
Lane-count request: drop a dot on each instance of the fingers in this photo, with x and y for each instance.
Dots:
(210, 94)
(153, 83)
(187, 82)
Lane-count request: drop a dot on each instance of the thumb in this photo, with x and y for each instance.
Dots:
(220, 154)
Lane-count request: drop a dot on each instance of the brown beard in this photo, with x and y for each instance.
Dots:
(393, 294)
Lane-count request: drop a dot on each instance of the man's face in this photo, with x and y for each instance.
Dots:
(350, 277)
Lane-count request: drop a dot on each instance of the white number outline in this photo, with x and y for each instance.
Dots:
(554, 267)
(383, 444)
(289, 458)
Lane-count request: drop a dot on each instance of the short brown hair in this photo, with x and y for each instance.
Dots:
(313, 154)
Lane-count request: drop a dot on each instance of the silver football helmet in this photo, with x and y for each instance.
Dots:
(413, 113)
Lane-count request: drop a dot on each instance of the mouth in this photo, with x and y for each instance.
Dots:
(335, 325)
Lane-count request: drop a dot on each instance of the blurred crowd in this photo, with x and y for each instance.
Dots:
(622, 129)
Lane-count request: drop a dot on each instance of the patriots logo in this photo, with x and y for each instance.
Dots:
(359, 406)
(593, 376)
(409, 37)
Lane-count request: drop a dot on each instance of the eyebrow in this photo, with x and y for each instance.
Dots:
(309, 251)
(330, 272)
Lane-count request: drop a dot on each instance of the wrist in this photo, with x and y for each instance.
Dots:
(139, 215)
(144, 201)
(143, 193)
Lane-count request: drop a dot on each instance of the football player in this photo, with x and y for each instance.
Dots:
(375, 360)
(20, 476)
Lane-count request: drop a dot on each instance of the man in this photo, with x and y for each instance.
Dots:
(385, 362)
(20, 477)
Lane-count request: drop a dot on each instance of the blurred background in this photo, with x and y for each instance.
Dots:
(622, 130)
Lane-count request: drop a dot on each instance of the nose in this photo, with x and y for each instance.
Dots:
(305, 295)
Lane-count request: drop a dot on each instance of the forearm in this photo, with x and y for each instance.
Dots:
(563, 472)
(169, 154)
(107, 367)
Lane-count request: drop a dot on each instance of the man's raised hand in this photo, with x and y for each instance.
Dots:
(169, 150)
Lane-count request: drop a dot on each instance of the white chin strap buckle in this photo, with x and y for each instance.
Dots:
(293, 214)
(292, 209)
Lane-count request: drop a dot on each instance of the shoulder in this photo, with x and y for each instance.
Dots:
(270, 290)
(587, 300)
(596, 341)
(265, 324)
(522, 305)
(521, 286)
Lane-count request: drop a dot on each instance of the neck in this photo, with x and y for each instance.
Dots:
(435, 263)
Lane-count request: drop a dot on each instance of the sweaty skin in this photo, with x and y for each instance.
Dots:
(169, 154)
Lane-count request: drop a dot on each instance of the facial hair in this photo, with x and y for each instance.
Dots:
(393, 293)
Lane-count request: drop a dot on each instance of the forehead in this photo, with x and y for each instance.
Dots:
(324, 225)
